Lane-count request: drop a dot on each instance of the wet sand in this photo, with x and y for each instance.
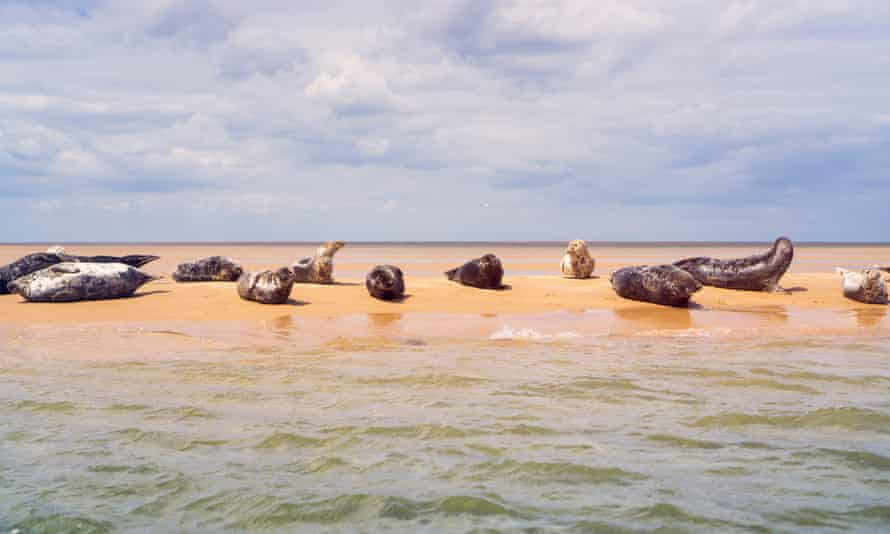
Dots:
(536, 296)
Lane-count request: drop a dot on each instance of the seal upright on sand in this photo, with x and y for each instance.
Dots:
(760, 272)
(318, 269)
(385, 282)
(485, 273)
(577, 262)
(267, 287)
(659, 284)
(76, 281)
(212, 269)
(867, 286)
(41, 260)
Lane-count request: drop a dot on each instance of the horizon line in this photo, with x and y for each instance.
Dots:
(445, 243)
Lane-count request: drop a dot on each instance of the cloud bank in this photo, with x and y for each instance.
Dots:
(444, 120)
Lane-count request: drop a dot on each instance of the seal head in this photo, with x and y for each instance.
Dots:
(385, 282)
(577, 262)
(212, 269)
(485, 272)
(318, 269)
(659, 284)
(866, 286)
(760, 272)
(266, 287)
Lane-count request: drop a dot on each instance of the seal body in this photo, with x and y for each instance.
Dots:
(266, 287)
(385, 282)
(577, 262)
(485, 273)
(318, 269)
(760, 272)
(212, 269)
(866, 286)
(41, 260)
(76, 281)
(659, 284)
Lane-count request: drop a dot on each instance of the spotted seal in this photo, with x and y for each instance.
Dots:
(577, 262)
(760, 272)
(318, 269)
(385, 282)
(485, 273)
(77, 281)
(267, 287)
(55, 255)
(866, 286)
(659, 284)
(212, 269)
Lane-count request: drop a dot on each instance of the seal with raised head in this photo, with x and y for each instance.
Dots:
(577, 262)
(867, 286)
(55, 255)
(212, 269)
(760, 272)
(267, 287)
(485, 273)
(659, 284)
(318, 269)
(385, 282)
(76, 281)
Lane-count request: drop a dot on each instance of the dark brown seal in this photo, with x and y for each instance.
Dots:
(485, 273)
(212, 269)
(760, 272)
(385, 282)
(659, 284)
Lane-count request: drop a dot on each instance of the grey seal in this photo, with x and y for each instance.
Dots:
(76, 281)
(485, 273)
(577, 262)
(267, 287)
(760, 272)
(212, 269)
(659, 284)
(867, 286)
(385, 282)
(55, 255)
(318, 269)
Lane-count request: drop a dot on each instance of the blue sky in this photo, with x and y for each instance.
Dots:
(444, 120)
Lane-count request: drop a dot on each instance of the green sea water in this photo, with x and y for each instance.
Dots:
(610, 434)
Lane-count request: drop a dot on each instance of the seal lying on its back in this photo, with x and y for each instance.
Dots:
(266, 287)
(577, 262)
(212, 269)
(385, 282)
(760, 272)
(660, 284)
(75, 281)
(318, 269)
(41, 260)
(485, 273)
(866, 286)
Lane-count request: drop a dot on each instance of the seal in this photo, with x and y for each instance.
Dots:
(77, 281)
(577, 262)
(760, 272)
(267, 287)
(55, 255)
(212, 269)
(659, 284)
(867, 286)
(385, 282)
(318, 269)
(485, 273)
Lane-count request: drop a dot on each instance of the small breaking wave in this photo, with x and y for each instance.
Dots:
(530, 334)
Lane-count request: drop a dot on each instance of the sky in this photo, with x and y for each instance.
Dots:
(288, 120)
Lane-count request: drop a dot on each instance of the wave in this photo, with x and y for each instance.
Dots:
(847, 417)
(530, 334)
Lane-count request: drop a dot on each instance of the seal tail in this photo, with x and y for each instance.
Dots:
(138, 260)
(452, 274)
(885, 269)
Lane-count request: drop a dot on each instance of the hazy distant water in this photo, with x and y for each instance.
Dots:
(608, 435)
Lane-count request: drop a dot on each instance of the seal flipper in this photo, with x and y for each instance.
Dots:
(138, 260)
(452, 274)
(65, 268)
